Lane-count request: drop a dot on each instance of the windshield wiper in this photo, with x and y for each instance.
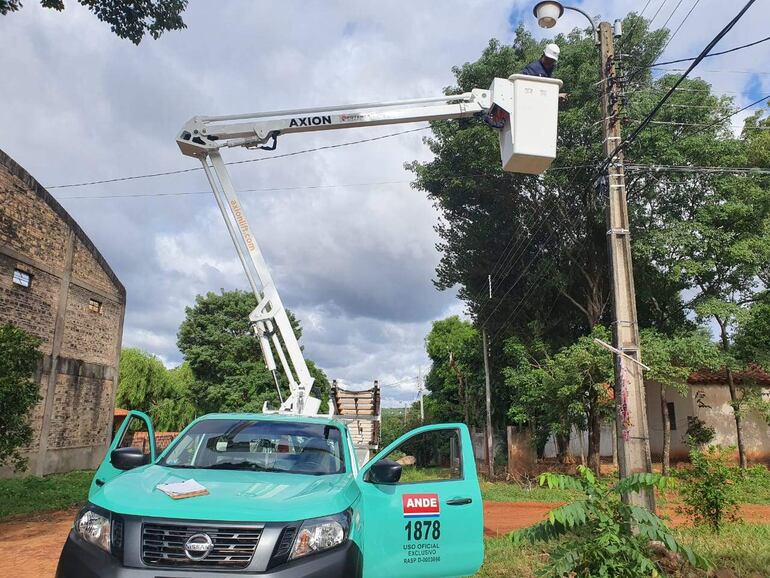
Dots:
(238, 466)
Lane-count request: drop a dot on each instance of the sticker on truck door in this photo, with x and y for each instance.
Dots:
(421, 505)
(422, 530)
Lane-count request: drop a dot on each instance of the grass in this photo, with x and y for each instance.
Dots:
(753, 486)
(743, 548)
(512, 492)
(503, 558)
(33, 494)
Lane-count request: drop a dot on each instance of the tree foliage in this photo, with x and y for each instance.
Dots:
(456, 378)
(556, 393)
(146, 385)
(672, 359)
(225, 358)
(129, 19)
(601, 536)
(19, 356)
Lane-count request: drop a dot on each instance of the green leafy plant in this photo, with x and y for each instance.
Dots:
(708, 487)
(18, 393)
(601, 536)
(698, 433)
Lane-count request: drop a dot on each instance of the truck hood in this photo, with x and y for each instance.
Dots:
(234, 495)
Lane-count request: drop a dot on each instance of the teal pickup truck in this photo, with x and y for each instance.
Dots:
(284, 498)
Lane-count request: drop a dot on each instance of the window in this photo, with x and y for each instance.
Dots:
(671, 415)
(94, 306)
(136, 435)
(22, 278)
(429, 456)
(259, 445)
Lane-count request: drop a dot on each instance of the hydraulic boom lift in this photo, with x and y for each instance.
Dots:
(523, 109)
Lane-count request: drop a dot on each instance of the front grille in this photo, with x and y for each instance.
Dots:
(163, 545)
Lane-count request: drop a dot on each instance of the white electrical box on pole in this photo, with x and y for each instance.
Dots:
(523, 109)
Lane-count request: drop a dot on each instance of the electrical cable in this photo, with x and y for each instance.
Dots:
(284, 155)
(274, 189)
(678, 28)
(715, 53)
(670, 16)
(622, 146)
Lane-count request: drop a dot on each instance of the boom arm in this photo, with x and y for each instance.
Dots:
(202, 137)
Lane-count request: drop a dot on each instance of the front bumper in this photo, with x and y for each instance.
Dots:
(81, 560)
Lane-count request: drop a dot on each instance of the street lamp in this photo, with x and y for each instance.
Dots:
(549, 12)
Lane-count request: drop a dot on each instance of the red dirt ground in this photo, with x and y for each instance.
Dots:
(30, 549)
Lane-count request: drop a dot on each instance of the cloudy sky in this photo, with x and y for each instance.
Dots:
(351, 246)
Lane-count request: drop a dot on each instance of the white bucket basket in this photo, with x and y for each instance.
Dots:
(528, 139)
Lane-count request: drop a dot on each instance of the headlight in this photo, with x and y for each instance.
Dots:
(94, 528)
(320, 534)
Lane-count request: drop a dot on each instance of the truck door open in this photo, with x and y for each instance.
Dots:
(137, 432)
(430, 522)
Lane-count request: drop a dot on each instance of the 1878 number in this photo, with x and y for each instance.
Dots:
(429, 529)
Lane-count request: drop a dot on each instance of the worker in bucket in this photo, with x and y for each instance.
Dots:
(545, 65)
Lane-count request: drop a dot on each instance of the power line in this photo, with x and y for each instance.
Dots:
(292, 188)
(715, 53)
(284, 155)
(670, 16)
(724, 118)
(752, 72)
(695, 169)
(670, 92)
(678, 28)
(658, 11)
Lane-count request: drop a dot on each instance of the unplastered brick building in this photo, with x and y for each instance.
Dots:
(55, 284)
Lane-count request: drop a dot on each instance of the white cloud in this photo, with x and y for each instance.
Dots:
(354, 262)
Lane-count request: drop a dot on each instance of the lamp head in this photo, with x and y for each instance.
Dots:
(547, 13)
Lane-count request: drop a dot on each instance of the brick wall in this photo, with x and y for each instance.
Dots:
(78, 374)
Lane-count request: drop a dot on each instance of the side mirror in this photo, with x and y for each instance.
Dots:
(127, 458)
(384, 472)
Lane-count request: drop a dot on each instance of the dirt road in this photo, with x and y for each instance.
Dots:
(30, 549)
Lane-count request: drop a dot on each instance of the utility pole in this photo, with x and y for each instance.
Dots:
(630, 406)
(419, 384)
(490, 446)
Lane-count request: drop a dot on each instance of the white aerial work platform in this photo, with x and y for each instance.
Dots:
(524, 110)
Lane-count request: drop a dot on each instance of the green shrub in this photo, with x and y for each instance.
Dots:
(599, 535)
(698, 433)
(708, 487)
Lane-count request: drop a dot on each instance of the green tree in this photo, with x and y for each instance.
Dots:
(142, 380)
(19, 356)
(456, 377)
(225, 358)
(130, 19)
(752, 338)
(146, 385)
(556, 393)
(717, 242)
(671, 361)
(543, 238)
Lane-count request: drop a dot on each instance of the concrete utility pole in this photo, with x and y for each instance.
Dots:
(630, 406)
(631, 410)
(490, 445)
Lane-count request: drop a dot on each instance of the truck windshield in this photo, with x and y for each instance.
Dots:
(259, 445)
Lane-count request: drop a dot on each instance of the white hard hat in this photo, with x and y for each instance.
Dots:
(552, 51)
